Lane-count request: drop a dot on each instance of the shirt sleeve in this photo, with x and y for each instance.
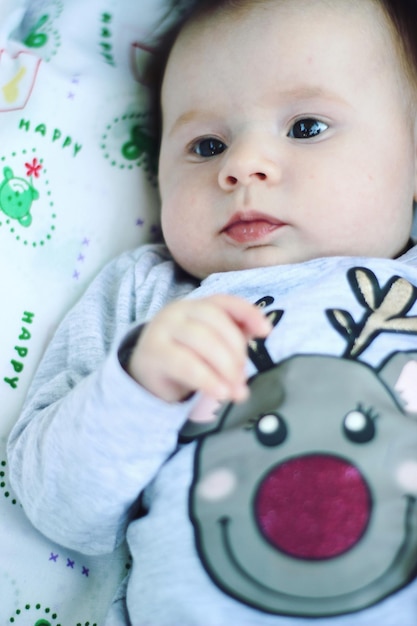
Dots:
(90, 439)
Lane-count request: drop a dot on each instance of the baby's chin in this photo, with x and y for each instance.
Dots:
(255, 258)
(235, 259)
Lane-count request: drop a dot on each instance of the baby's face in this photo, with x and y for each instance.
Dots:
(287, 135)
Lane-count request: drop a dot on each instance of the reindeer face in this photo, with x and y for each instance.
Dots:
(302, 501)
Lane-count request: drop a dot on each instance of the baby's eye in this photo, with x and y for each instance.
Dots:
(208, 147)
(307, 128)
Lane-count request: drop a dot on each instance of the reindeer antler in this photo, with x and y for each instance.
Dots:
(386, 310)
(257, 351)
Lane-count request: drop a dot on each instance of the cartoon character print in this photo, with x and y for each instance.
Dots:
(18, 75)
(39, 30)
(304, 497)
(141, 145)
(16, 197)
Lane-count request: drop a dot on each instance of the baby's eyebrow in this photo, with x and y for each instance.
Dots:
(295, 93)
(310, 92)
(188, 117)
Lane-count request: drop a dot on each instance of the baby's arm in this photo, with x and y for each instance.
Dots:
(90, 439)
(198, 345)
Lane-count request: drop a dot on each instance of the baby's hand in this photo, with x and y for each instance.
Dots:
(198, 345)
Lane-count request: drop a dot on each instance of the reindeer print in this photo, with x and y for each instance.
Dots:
(385, 310)
(314, 514)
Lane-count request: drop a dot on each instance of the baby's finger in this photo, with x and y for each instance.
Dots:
(249, 318)
(189, 372)
(206, 322)
(233, 319)
(224, 357)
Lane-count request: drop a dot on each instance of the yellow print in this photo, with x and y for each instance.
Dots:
(11, 89)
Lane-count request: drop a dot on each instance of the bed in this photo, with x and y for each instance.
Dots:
(77, 187)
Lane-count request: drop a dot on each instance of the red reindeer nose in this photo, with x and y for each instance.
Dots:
(313, 507)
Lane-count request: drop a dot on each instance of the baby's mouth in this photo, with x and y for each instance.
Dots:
(250, 227)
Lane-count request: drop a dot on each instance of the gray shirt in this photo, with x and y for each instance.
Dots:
(296, 505)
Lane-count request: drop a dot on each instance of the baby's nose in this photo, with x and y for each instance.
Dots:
(245, 163)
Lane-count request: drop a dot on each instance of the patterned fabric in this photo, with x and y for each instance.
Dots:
(77, 186)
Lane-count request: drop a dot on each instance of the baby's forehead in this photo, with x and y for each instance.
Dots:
(221, 33)
(212, 16)
(214, 22)
(381, 19)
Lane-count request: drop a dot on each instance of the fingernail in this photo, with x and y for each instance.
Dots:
(267, 326)
(242, 394)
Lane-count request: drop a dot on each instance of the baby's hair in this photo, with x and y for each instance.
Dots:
(401, 14)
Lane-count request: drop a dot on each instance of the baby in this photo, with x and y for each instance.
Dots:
(282, 487)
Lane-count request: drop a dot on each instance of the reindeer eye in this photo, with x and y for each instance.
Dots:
(271, 430)
(359, 426)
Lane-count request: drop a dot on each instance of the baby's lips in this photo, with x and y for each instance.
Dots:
(247, 231)
(251, 220)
